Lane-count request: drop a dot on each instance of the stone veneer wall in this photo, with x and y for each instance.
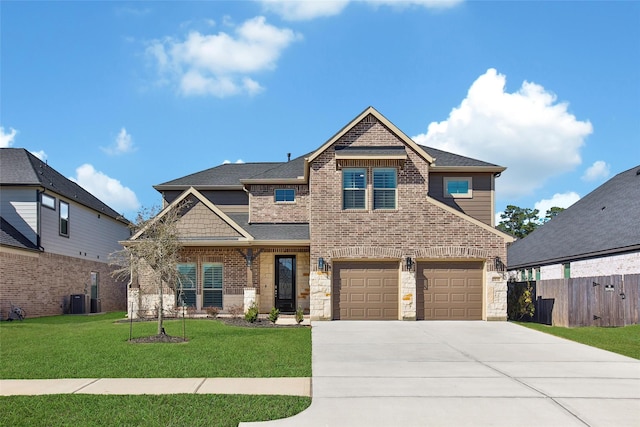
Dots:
(265, 209)
(603, 266)
(41, 283)
(417, 226)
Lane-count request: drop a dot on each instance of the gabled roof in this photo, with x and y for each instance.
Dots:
(605, 221)
(18, 167)
(382, 119)
(9, 236)
(233, 176)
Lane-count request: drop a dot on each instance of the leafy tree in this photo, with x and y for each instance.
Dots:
(518, 221)
(155, 249)
(552, 213)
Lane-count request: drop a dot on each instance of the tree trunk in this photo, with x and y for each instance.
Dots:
(160, 310)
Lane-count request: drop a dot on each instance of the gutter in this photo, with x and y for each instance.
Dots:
(579, 257)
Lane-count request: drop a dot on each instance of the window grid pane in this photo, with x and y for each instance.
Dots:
(285, 195)
(354, 188)
(384, 188)
(212, 285)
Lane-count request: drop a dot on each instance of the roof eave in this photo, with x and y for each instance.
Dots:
(468, 169)
(163, 187)
(298, 180)
(579, 257)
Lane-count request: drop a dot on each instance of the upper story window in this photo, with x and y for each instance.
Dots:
(48, 201)
(285, 195)
(354, 188)
(64, 218)
(455, 187)
(384, 188)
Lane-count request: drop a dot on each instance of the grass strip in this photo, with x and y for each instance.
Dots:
(146, 410)
(623, 340)
(98, 347)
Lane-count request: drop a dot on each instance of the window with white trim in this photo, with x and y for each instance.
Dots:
(354, 188)
(457, 187)
(48, 201)
(212, 285)
(285, 195)
(186, 286)
(64, 218)
(384, 188)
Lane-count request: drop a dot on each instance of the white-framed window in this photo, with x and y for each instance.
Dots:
(64, 218)
(458, 187)
(354, 188)
(284, 195)
(186, 286)
(48, 201)
(385, 183)
(212, 285)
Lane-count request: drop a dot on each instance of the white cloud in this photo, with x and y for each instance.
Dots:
(305, 10)
(598, 170)
(527, 131)
(108, 190)
(221, 64)
(40, 154)
(123, 144)
(560, 200)
(239, 161)
(6, 139)
(226, 162)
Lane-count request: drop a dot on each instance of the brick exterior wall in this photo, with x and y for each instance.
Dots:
(41, 283)
(416, 228)
(602, 266)
(263, 207)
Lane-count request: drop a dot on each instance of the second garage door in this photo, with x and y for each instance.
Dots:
(449, 290)
(365, 290)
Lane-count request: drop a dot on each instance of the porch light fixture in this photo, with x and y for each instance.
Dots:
(320, 264)
(409, 263)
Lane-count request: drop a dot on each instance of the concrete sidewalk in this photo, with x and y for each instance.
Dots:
(463, 374)
(264, 386)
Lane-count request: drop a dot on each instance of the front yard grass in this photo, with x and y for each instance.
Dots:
(192, 410)
(98, 347)
(623, 340)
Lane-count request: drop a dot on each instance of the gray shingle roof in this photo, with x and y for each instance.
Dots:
(271, 231)
(224, 175)
(9, 236)
(607, 220)
(20, 168)
(446, 159)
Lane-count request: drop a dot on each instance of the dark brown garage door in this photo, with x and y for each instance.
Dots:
(365, 290)
(449, 290)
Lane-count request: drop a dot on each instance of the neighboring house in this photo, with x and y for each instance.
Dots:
(370, 225)
(599, 235)
(55, 241)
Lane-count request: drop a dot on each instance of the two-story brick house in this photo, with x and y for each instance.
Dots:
(55, 241)
(370, 225)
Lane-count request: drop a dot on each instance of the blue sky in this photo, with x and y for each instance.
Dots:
(121, 96)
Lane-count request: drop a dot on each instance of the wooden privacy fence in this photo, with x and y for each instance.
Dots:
(588, 301)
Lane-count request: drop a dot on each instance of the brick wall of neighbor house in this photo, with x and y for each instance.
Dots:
(416, 226)
(143, 293)
(265, 209)
(41, 283)
(603, 266)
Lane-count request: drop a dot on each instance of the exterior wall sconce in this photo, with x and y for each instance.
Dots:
(321, 264)
(409, 263)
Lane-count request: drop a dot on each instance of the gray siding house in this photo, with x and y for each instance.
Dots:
(55, 240)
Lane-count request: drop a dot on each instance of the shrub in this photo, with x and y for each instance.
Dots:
(274, 314)
(520, 303)
(236, 311)
(299, 315)
(213, 312)
(252, 313)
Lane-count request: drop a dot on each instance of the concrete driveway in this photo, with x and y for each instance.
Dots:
(463, 374)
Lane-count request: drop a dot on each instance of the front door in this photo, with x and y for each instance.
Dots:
(285, 283)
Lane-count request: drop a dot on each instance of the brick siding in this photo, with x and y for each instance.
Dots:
(265, 209)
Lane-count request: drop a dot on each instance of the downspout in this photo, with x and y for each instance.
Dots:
(244, 188)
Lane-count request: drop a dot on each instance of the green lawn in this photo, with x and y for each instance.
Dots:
(165, 410)
(624, 340)
(98, 347)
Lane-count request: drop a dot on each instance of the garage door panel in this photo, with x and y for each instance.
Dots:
(365, 290)
(450, 290)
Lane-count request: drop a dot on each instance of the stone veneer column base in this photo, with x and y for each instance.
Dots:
(496, 296)
(250, 298)
(408, 295)
(320, 288)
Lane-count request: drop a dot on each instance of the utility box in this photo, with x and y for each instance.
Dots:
(78, 304)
